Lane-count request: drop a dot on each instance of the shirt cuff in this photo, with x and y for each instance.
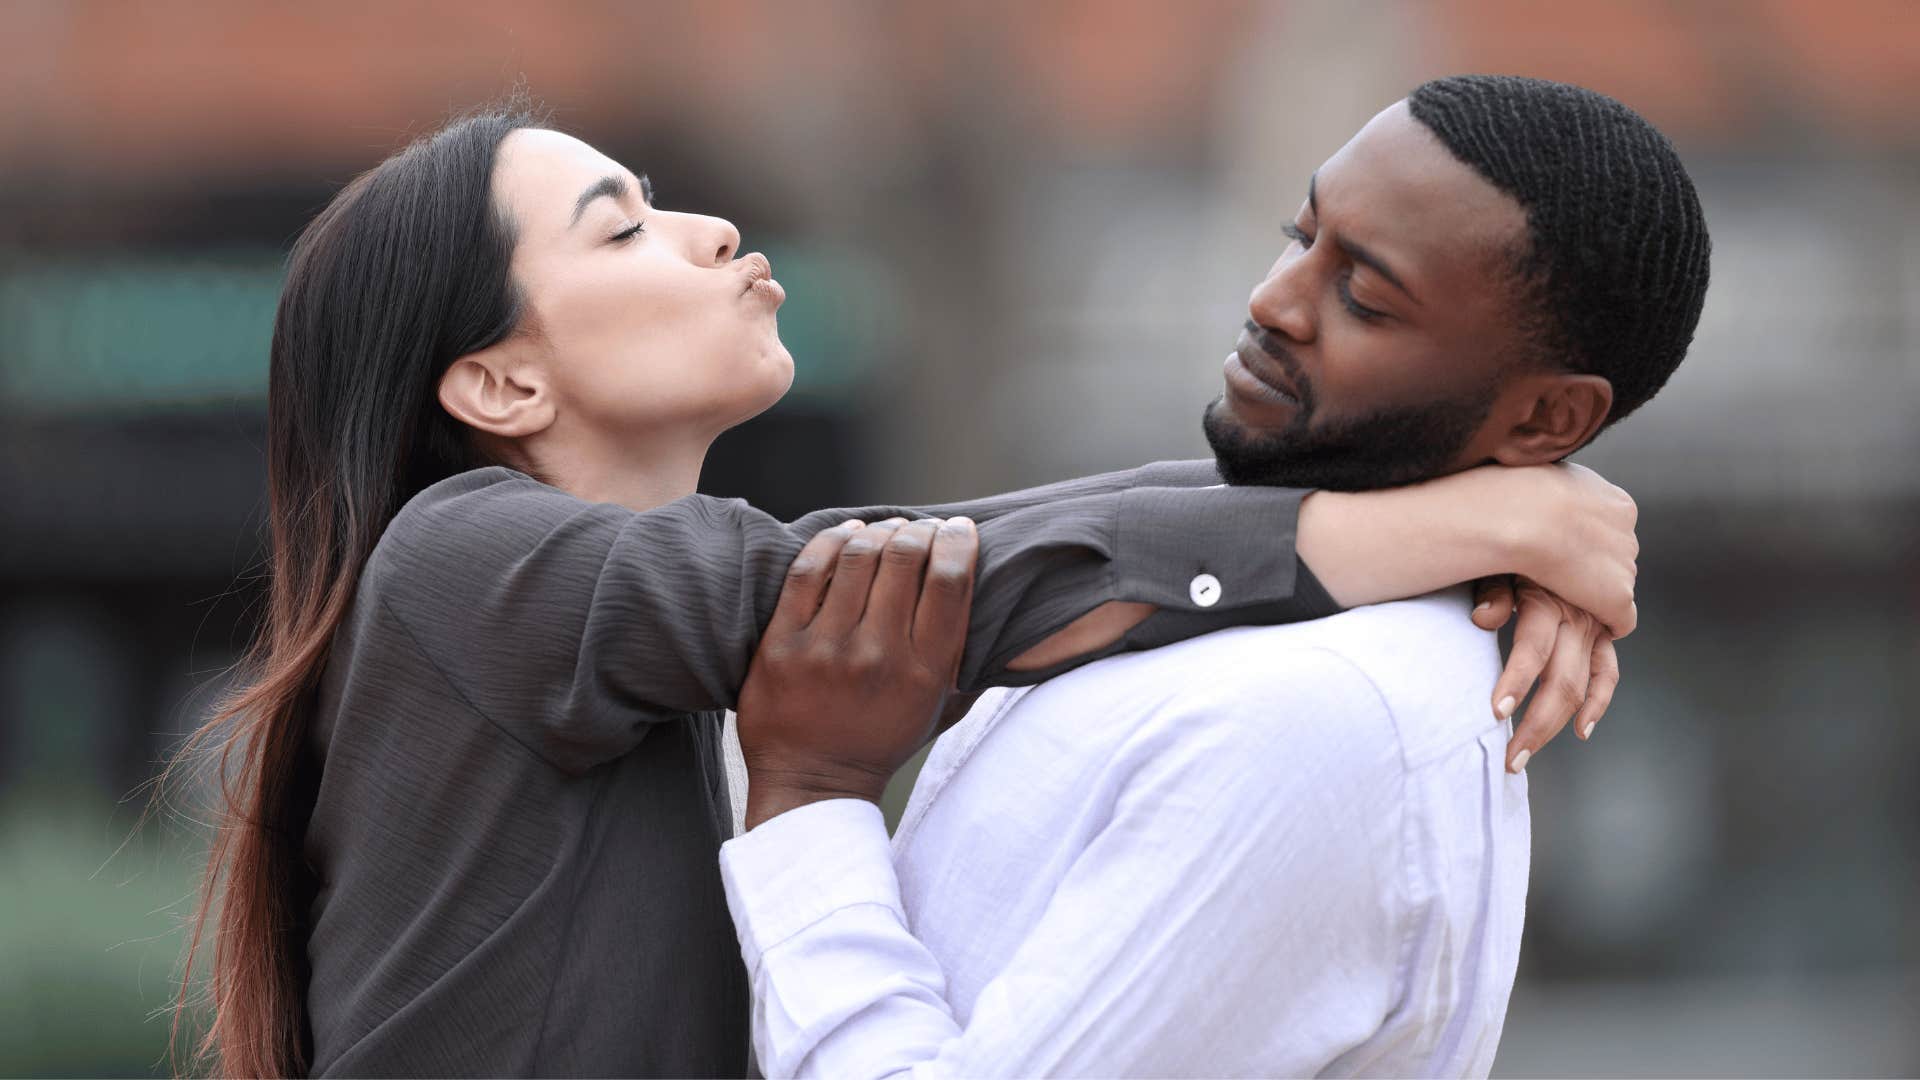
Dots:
(1191, 549)
(793, 870)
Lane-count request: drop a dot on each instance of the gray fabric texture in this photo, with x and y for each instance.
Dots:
(518, 737)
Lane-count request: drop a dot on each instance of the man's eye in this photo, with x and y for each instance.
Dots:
(1354, 307)
(629, 233)
(1297, 235)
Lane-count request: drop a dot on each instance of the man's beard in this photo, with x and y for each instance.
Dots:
(1385, 448)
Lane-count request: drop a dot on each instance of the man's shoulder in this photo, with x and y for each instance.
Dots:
(1420, 667)
(1420, 639)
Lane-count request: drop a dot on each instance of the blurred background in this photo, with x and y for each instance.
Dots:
(1017, 237)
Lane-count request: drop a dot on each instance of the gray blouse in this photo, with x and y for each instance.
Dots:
(518, 746)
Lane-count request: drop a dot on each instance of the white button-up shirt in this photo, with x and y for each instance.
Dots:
(1272, 851)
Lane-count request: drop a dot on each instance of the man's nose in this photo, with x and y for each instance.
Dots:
(1282, 302)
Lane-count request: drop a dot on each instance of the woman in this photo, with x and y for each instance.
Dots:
(478, 794)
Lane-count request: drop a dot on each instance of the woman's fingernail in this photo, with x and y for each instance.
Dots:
(1483, 605)
(1505, 708)
(1519, 759)
(852, 524)
(1587, 732)
(961, 522)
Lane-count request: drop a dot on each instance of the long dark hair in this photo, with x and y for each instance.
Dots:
(405, 271)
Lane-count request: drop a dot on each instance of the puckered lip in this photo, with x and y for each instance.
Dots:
(754, 268)
(1263, 366)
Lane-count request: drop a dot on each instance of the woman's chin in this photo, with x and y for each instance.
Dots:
(779, 373)
(776, 380)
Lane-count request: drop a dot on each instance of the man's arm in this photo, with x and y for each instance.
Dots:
(1238, 913)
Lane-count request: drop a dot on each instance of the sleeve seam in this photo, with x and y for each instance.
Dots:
(1403, 966)
(458, 693)
(1407, 942)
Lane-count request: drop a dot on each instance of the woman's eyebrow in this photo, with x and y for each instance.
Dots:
(607, 187)
(612, 186)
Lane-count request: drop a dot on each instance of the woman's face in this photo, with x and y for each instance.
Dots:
(646, 324)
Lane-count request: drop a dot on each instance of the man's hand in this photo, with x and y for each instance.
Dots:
(857, 662)
(1569, 645)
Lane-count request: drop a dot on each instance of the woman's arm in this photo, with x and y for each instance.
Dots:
(550, 608)
(1563, 526)
(584, 622)
(1168, 474)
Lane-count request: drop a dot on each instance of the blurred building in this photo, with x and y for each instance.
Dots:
(1017, 237)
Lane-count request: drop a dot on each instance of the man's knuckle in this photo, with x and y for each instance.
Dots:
(904, 549)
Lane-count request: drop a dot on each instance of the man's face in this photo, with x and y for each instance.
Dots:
(1375, 346)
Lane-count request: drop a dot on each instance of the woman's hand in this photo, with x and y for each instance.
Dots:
(862, 652)
(1570, 646)
(1579, 532)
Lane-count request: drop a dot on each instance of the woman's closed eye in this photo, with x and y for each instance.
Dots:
(628, 233)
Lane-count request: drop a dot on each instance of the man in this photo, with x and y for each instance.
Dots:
(1268, 851)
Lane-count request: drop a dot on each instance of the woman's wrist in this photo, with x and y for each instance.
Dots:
(1498, 514)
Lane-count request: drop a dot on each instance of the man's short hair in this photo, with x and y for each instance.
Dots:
(1613, 272)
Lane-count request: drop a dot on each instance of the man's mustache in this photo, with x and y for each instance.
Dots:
(1269, 343)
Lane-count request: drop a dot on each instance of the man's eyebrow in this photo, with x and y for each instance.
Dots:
(1354, 251)
(1372, 262)
(610, 187)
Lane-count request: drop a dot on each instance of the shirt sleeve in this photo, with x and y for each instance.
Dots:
(577, 624)
(1240, 912)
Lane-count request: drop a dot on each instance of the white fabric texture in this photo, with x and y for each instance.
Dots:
(1270, 851)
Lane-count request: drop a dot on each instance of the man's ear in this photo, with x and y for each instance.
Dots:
(1554, 414)
(493, 392)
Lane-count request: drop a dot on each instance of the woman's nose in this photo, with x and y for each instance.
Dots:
(725, 241)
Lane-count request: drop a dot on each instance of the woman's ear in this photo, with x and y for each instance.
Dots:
(1557, 413)
(493, 392)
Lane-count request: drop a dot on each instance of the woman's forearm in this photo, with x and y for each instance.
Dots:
(1373, 546)
(1561, 525)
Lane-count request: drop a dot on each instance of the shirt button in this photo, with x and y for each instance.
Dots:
(1205, 590)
